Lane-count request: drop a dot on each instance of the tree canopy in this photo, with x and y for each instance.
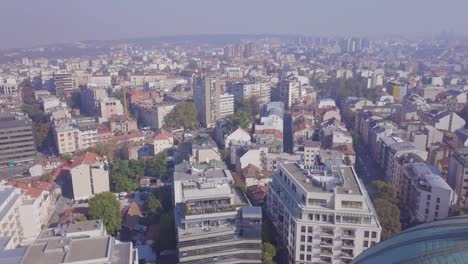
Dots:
(106, 207)
(183, 115)
(269, 252)
(241, 119)
(384, 200)
(153, 205)
(156, 166)
(41, 124)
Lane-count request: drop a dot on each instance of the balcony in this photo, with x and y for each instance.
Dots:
(348, 254)
(327, 234)
(348, 235)
(326, 243)
(326, 252)
(347, 244)
(209, 209)
(325, 260)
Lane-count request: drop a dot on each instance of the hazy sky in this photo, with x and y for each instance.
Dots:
(30, 22)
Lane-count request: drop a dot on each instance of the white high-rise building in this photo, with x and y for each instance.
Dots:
(322, 214)
(243, 91)
(226, 105)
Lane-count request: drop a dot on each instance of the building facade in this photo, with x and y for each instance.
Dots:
(212, 222)
(16, 139)
(322, 214)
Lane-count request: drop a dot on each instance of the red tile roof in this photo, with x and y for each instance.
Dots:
(163, 135)
(89, 158)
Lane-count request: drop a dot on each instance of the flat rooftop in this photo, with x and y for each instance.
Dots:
(202, 193)
(347, 179)
(84, 226)
(89, 249)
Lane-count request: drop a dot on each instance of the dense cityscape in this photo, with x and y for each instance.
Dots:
(235, 149)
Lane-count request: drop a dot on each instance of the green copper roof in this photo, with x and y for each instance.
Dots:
(439, 242)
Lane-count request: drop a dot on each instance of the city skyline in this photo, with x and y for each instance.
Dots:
(52, 21)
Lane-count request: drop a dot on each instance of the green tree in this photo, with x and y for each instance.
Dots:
(106, 207)
(385, 203)
(384, 191)
(103, 149)
(153, 205)
(137, 168)
(269, 252)
(241, 119)
(183, 115)
(156, 166)
(122, 183)
(67, 157)
(389, 217)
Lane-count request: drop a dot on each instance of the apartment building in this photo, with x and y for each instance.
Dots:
(458, 173)
(108, 107)
(76, 134)
(66, 138)
(322, 214)
(80, 242)
(151, 114)
(244, 91)
(16, 139)
(226, 105)
(206, 94)
(123, 124)
(11, 228)
(63, 83)
(89, 174)
(90, 96)
(163, 140)
(212, 221)
(289, 91)
(425, 192)
(37, 206)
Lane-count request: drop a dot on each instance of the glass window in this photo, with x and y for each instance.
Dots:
(366, 243)
(366, 233)
(374, 234)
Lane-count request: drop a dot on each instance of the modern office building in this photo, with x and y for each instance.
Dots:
(213, 223)
(63, 83)
(16, 139)
(442, 241)
(207, 93)
(322, 214)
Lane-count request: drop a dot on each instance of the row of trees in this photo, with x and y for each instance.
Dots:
(125, 174)
(340, 89)
(41, 125)
(385, 202)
